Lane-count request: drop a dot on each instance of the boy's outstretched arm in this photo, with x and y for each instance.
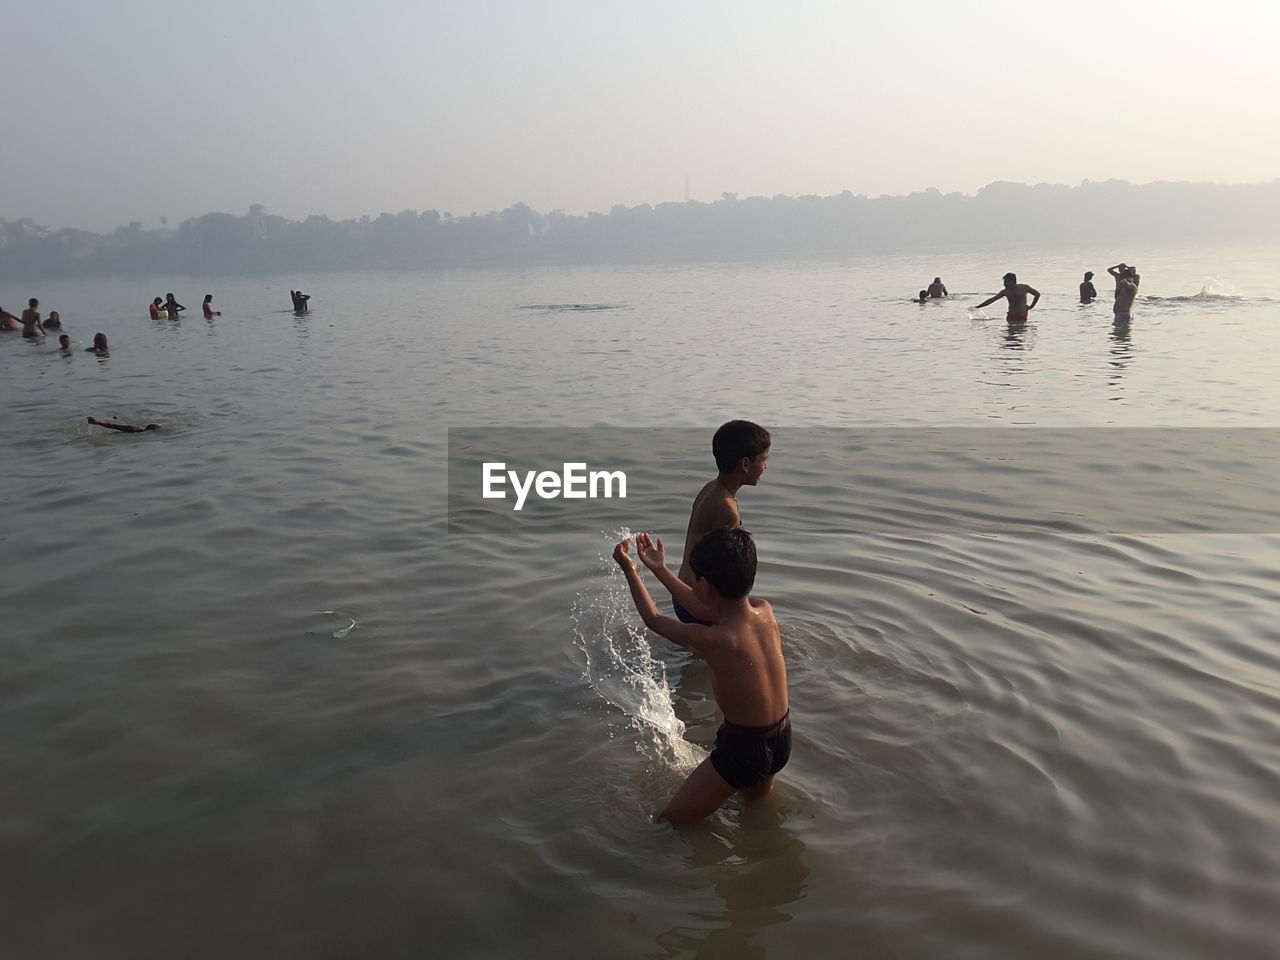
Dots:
(654, 556)
(987, 303)
(691, 635)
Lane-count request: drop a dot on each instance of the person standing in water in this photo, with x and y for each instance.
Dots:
(743, 648)
(1126, 293)
(937, 288)
(1016, 293)
(1088, 292)
(31, 325)
(172, 306)
(156, 308)
(740, 449)
(299, 300)
(208, 307)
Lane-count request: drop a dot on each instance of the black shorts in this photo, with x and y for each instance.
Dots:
(744, 756)
(684, 616)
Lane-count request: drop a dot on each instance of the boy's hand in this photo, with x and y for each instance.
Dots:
(652, 555)
(622, 554)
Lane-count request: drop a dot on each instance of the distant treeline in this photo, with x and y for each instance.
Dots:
(729, 228)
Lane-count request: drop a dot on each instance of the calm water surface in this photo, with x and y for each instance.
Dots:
(1007, 744)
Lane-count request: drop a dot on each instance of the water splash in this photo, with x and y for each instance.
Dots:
(621, 667)
(1215, 288)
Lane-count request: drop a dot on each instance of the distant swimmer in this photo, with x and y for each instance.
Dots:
(1016, 293)
(156, 308)
(1088, 293)
(923, 298)
(208, 306)
(8, 321)
(123, 427)
(31, 325)
(172, 306)
(299, 300)
(742, 646)
(99, 347)
(64, 343)
(937, 288)
(1126, 292)
(54, 320)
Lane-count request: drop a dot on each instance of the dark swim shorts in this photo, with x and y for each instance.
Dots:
(744, 756)
(684, 616)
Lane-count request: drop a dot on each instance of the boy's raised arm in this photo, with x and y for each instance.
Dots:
(654, 556)
(691, 635)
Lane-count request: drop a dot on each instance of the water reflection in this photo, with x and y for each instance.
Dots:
(1015, 335)
(1121, 355)
(757, 868)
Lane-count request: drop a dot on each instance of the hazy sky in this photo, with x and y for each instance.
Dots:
(139, 109)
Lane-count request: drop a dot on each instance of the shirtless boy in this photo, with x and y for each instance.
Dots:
(1016, 293)
(1126, 291)
(744, 651)
(741, 451)
(8, 321)
(1088, 292)
(208, 307)
(31, 319)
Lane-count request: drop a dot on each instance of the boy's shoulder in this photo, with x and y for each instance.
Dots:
(714, 506)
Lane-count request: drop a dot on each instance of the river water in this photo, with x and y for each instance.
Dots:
(261, 698)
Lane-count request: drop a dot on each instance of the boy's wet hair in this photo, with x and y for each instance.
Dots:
(737, 439)
(726, 558)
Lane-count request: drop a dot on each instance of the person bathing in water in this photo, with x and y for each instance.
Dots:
(208, 307)
(31, 325)
(1126, 291)
(172, 307)
(742, 647)
(122, 427)
(1088, 292)
(741, 452)
(1016, 293)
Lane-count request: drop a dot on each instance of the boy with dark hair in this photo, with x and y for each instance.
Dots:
(741, 451)
(744, 651)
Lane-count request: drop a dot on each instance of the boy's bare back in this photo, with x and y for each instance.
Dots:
(715, 506)
(748, 673)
